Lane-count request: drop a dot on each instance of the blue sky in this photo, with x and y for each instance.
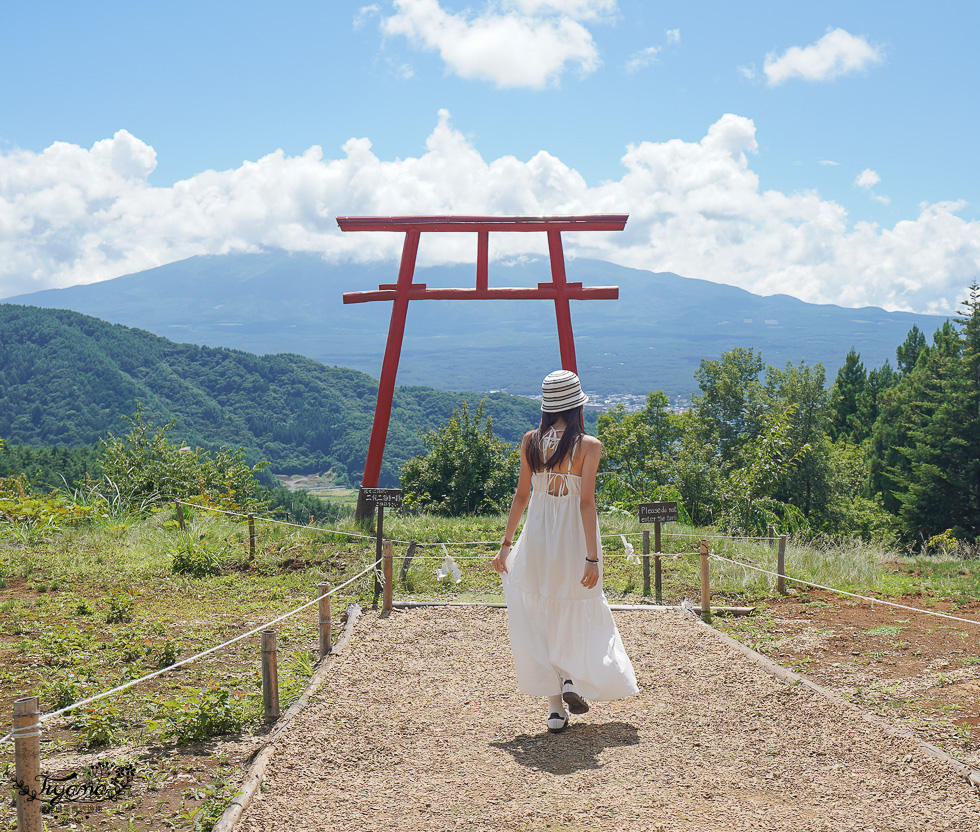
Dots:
(825, 150)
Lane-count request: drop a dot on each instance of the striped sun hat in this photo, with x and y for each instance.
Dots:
(561, 390)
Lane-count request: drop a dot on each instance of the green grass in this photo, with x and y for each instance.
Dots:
(99, 603)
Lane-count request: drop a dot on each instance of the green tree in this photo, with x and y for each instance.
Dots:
(845, 397)
(909, 351)
(943, 479)
(145, 468)
(733, 401)
(466, 470)
(748, 501)
(638, 452)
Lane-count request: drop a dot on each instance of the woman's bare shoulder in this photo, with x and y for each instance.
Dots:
(591, 445)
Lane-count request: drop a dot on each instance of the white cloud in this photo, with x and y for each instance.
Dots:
(365, 14)
(645, 57)
(747, 72)
(836, 53)
(867, 178)
(519, 43)
(642, 58)
(828, 162)
(73, 215)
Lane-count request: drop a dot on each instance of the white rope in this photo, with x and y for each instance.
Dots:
(873, 601)
(197, 656)
(320, 529)
(323, 530)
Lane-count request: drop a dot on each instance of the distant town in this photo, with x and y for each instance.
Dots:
(631, 402)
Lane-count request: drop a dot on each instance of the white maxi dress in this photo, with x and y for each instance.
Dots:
(559, 629)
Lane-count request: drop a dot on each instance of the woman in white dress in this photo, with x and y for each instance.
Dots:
(565, 643)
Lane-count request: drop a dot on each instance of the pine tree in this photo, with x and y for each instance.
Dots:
(845, 395)
(943, 479)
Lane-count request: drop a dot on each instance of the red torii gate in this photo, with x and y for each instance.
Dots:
(559, 290)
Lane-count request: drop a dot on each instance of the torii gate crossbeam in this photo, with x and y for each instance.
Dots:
(559, 290)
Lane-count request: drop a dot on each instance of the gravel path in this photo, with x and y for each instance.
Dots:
(420, 727)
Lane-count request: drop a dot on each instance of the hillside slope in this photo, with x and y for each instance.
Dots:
(67, 378)
(652, 338)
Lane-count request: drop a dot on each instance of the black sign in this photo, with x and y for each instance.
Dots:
(658, 512)
(383, 497)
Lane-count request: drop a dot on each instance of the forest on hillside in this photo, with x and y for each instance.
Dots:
(70, 380)
(885, 451)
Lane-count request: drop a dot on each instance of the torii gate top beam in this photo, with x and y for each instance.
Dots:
(591, 222)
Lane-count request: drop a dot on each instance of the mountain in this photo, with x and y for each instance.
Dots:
(67, 378)
(652, 338)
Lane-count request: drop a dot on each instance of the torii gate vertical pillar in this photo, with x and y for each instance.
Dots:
(559, 290)
(566, 341)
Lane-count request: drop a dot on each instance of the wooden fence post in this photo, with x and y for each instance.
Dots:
(705, 591)
(646, 563)
(658, 581)
(407, 561)
(388, 567)
(326, 632)
(27, 751)
(378, 548)
(270, 676)
(771, 534)
(180, 517)
(251, 535)
(781, 566)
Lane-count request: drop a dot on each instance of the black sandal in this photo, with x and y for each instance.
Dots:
(576, 704)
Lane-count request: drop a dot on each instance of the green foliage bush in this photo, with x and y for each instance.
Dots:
(197, 557)
(121, 606)
(98, 724)
(168, 651)
(63, 691)
(467, 469)
(144, 468)
(199, 714)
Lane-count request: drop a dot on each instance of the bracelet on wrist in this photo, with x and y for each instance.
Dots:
(505, 542)
(589, 560)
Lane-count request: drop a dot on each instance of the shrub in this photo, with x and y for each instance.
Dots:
(144, 469)
(167, 653)
(204, 713)
(121, 604)
(197, 558)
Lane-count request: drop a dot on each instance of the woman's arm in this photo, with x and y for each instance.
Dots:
(517, 506)
(592, 450)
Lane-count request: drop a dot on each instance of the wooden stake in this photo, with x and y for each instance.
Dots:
(705, 591)
(646, 563)
(407, 561)
(379, 537)
(781, 566)
(388, 567)
(270, 676)
(180, 517)
(251, 535)
(771, 534)
(326, 632)
(657, 575)
(27, 751)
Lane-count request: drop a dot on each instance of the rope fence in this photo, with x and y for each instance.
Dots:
(322, 530)
(28, 719)
(323, 595)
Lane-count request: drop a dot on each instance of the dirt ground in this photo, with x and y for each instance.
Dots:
(918, 670)
(420, 727)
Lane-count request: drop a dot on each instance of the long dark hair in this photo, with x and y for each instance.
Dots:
(574, 428)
